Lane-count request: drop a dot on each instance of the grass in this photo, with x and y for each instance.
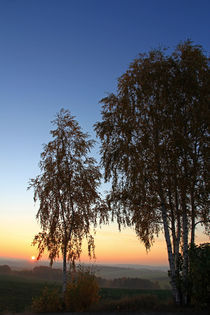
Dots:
(16, 294)
(131, 300)
(116, 294)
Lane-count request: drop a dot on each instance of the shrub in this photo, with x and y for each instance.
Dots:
(49, 301)
(82, 291)
(199, 274)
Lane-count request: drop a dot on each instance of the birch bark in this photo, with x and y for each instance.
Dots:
(185, 257)
(175, 290)
(64, 271)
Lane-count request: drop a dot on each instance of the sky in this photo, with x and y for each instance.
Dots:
(69, 54)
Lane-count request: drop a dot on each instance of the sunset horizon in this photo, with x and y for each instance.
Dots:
(112, 247)
(104, 154)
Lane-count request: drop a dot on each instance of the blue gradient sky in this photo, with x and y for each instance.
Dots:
(59, 53)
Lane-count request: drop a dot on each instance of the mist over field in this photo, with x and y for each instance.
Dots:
(130, 276)
(21, 264)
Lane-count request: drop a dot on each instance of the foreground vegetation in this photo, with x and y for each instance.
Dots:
(17, 294)
(39, 290)
(22, 294)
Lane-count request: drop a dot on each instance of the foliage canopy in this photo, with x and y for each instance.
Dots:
(155, 136)
(67, 192)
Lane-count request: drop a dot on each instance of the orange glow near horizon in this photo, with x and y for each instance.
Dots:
(112, 246)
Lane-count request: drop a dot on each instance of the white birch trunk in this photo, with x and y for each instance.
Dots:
(177, 244)
(192, 242)
(175, 290)
(185, 257)
(64, 272)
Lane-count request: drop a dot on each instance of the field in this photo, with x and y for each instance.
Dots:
(116, 294)
(16, 293)
(110, 272)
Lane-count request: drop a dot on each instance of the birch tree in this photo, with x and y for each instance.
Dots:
(154, 134)
(66, 189)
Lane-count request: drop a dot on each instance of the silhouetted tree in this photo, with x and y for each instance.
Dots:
(67, 192)
(154, 135)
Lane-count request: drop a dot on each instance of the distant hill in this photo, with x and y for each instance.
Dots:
(55, 275)
(23, 264)
(137, 266)
(111, 272)
(110, 276)
(19, 264)
(5, 269)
